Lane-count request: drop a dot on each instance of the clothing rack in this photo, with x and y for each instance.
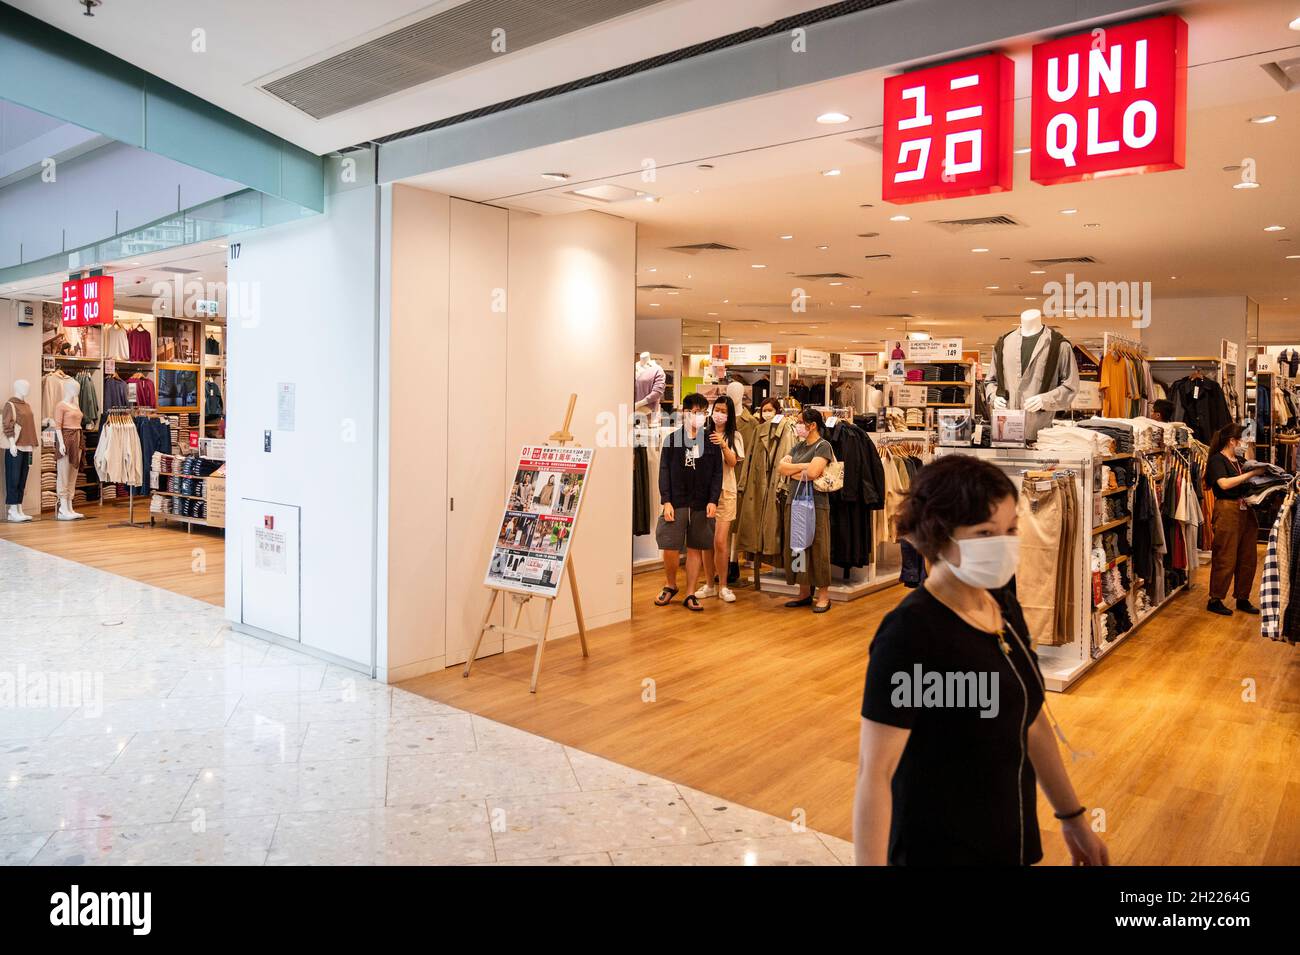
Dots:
(128, 413)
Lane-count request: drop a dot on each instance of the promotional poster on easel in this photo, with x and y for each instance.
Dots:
(535, 533)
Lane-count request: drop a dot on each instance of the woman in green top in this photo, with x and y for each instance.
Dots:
(806, 462)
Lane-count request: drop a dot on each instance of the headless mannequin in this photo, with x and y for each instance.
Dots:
(1031, 326)
(22, 443)
(67, 416)
(649, 405)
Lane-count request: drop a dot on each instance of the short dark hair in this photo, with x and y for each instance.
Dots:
(695, 401)
(956, 490)
(813, 416)
(1165, 407)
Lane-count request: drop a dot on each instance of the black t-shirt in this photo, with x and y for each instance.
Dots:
(963, 793)
(1220, 467)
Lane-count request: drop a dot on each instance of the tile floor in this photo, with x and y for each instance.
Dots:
(137, 728)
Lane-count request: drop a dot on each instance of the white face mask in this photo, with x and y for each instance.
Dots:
(801, 431)
(987, 562)
(767, 414)
(697, 420)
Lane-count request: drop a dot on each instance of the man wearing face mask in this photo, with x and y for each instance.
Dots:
(690, 485)
(947, 776)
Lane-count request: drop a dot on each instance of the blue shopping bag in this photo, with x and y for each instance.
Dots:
(803, 517)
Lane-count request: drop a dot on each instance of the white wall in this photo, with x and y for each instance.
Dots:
(20, 357)
(468, 385)
(313, 284)
(572, 329)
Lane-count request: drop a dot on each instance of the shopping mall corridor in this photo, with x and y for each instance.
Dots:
(137, 728)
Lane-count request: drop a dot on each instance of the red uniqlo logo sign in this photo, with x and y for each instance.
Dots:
(88, 301)
(948, 130)
(268, 521)
(1110, 102)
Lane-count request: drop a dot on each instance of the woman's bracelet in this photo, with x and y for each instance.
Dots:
(1067, 816)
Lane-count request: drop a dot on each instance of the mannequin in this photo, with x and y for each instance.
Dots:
(18, 438)
(70, 442)
(1033, 370)
(649, 387)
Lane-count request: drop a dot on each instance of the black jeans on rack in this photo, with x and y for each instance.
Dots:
(16, 468)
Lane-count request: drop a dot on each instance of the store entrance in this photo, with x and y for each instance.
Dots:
(127, 458)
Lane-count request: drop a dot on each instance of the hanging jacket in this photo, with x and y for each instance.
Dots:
(761, 522)
(1201, 404)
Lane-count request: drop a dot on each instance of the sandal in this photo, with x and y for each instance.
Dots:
(692, 603)
(801, 602)
(665, 596)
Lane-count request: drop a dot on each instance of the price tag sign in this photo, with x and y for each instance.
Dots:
(47, 363)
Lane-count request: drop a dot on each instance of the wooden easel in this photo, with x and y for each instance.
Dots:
(561, 438)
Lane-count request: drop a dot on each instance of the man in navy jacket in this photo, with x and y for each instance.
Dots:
(690, 483)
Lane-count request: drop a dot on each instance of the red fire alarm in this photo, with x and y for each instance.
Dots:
(268, 521)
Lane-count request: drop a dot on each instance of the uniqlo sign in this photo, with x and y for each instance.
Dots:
(88, 301)
(948, 130)
(1110, 102)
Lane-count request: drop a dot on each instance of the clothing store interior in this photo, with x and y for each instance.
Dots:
(120, 457)
(963, 326)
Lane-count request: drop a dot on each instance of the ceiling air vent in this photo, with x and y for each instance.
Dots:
(826, 275)
(878, 257)
(1286, 73)
(874, 142)
(451, 40)
(702, 247)
(978, 224)
(661, 285)
(177, 271)
(1068, 260)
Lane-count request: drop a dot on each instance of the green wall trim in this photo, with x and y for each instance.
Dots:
(55, 73)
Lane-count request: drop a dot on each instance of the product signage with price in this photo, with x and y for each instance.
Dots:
(88, 301)
(935, 349)
(759, 353)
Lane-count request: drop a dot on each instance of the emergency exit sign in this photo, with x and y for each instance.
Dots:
(88, 301)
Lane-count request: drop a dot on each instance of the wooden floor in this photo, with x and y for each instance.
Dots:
(759, 705)
(163, 555)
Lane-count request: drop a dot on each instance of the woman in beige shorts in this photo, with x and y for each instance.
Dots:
(721, 430)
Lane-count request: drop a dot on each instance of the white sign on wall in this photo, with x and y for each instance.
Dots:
(286, 405)
(935, 349)
(852, 362)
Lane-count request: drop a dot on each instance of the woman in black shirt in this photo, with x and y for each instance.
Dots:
(954, 733)
(1236, 529)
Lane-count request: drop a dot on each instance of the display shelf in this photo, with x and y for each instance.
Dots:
(1105, 647)
(1107, 607)
(195, 477)
(1118, 490)
(1116, 562)
(1110, 525)
(192, 497)
(1117, 457)
(946, 404)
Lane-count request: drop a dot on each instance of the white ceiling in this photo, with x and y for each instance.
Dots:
(1187, 232)
(249, 42)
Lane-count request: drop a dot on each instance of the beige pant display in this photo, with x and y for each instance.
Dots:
(1049, 526)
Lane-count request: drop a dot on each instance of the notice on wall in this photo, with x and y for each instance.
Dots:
(286, 398)
(271, 551)
(536, 530)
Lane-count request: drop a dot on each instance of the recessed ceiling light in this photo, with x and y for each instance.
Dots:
(555, 176)
(712, 313)
(1295, 24)
(992, 288)
(1274, 228)
(916, 291)
(859, 306)
(1173, 277)
(1264, 120)
(822, 248)
(837, 283)
(1038, 271)
(1022, 150)
(785, 237)
(900, 218)
(1245, 184)
(832, 119)
(756, 266)
(652, 270)
(654, 304)
(1092, 225)
(918, 336)
(830, 172)
(1068, 212)
(725, 301)
(1293, 256)
(672, 293)
(979, 250)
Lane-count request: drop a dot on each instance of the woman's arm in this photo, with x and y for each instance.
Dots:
(1086, 848)
(880, 747)
(788, 468)
(1228, 483)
